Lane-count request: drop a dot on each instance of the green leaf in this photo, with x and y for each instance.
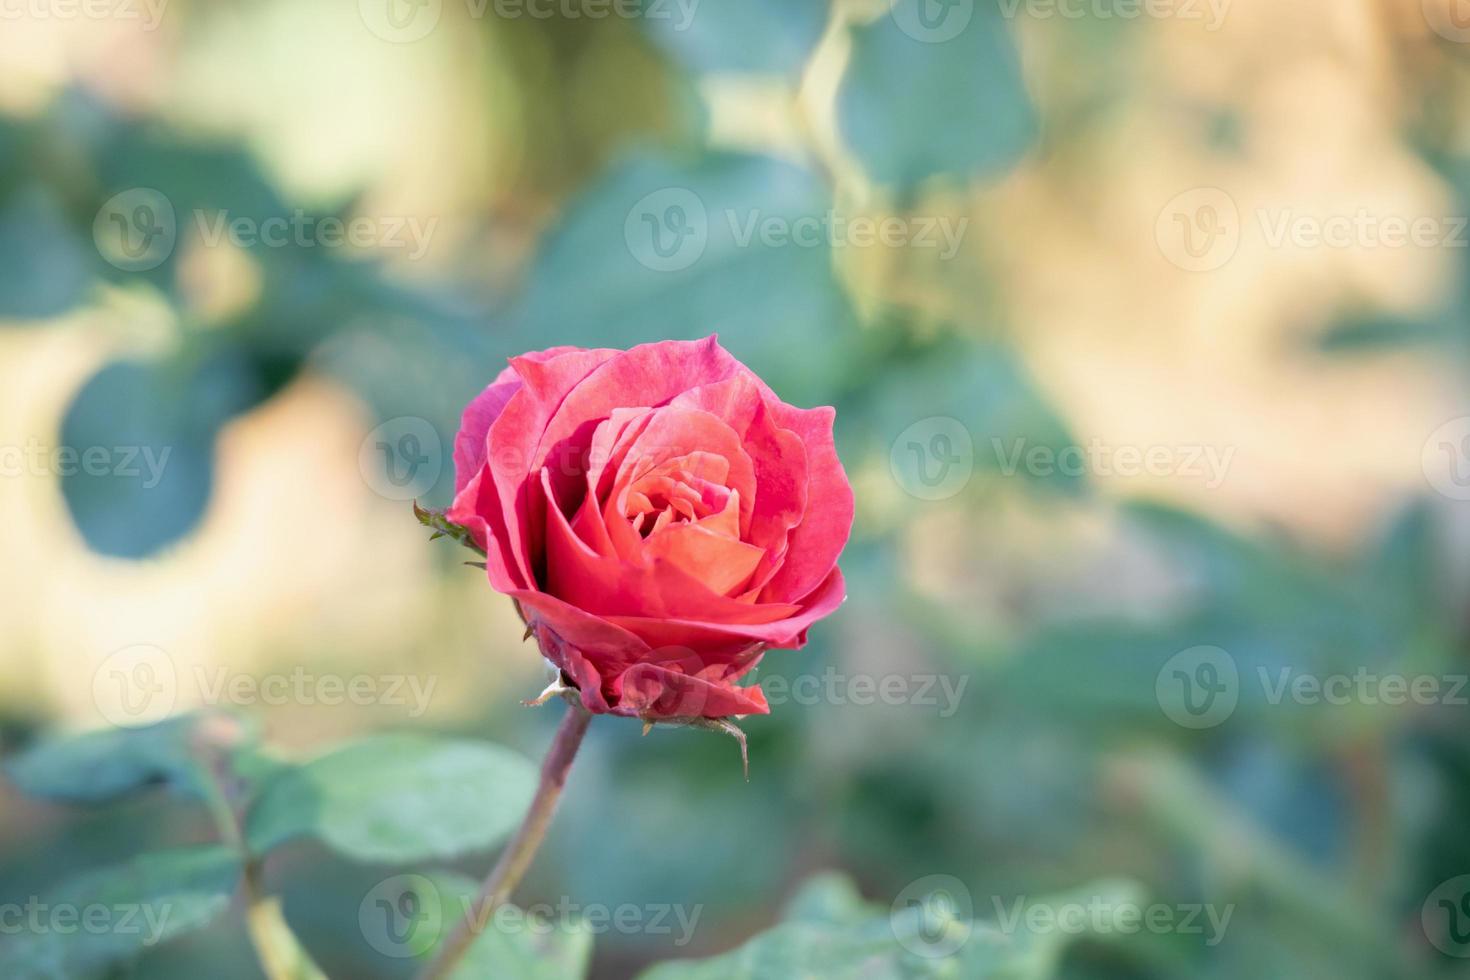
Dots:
(105, 917)
(98, 766)
(143, 435)
(514, 945)
(769, 36)
(44, 269)
(731, 243)
(921, 98)
(397, 798)
(410, 915)
(831, 933)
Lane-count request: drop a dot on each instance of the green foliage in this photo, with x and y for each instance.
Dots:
(671, 249)
(830, 932)
(100, 766)
(768, 36)
(915, 105)
(397, 798)
(109, 916)
(533, 951)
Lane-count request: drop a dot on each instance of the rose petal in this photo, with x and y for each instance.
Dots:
(514, 441)
(816, 542)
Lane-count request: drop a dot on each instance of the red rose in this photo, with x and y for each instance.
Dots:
(661, 517)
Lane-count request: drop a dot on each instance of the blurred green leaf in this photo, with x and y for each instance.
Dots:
(772, 36)
(45, 269)
(105, 917)
(734, 244)
(513, 944)
(397, 798)
(922, 97)
(98, 766)
(984, 387)
(830, 932)
(141, 438)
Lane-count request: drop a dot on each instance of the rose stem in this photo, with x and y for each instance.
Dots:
(516, 859)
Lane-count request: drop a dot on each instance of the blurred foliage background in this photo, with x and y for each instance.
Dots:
(1128, 187)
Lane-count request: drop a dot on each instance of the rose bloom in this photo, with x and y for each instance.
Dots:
(660, 517)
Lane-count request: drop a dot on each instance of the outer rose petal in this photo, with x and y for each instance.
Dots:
(650, 691)
(816, 542)
(513, 447)
(481, 413)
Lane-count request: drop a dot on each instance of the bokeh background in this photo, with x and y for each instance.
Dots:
(1146, 328)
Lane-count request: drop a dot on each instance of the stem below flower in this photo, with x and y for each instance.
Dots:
(516, 859)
